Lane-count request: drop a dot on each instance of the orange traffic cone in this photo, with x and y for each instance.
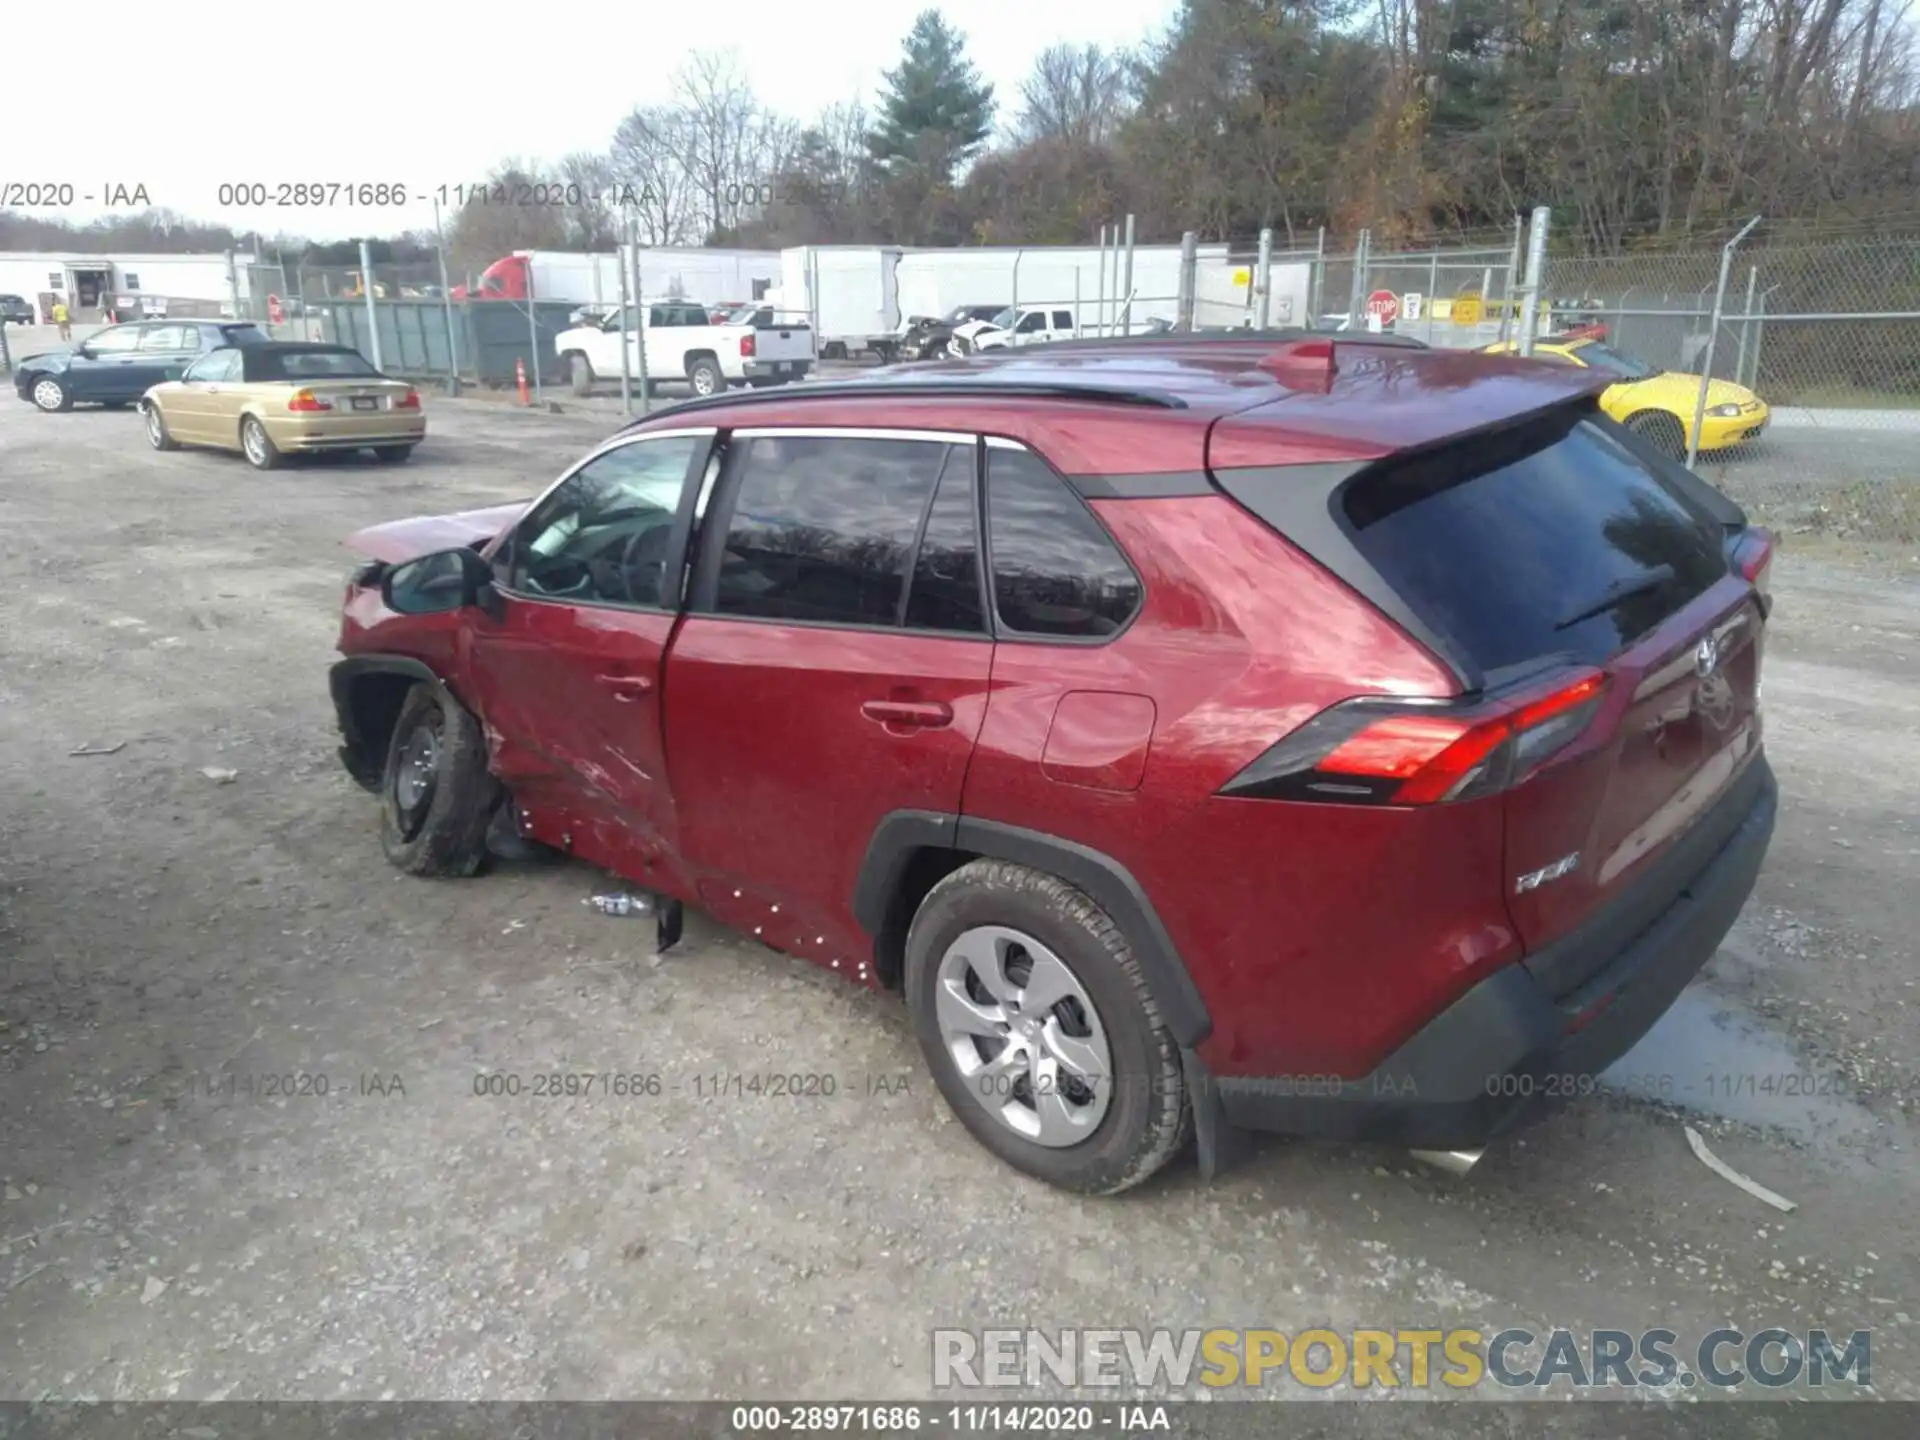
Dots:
(520, 379)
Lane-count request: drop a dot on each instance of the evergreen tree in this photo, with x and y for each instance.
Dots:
(936, 111)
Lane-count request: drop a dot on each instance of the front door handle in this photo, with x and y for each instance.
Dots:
(626, 687)
(926, 715)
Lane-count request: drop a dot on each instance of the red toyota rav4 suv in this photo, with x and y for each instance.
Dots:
(1335, 738)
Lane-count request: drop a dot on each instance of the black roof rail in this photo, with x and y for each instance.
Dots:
(909, 383)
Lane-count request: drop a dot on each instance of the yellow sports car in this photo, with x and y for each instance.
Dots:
(271, 399)
(1657, 403)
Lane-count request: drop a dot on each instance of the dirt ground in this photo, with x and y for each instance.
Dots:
(166, 935)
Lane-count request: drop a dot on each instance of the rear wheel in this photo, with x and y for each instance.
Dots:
(257, 445)
(436, 797)
(580, 372)
(157, 434)
(392, 454)
(1038, 1026)
(705, 377)
(50, 395)
(1661, 430)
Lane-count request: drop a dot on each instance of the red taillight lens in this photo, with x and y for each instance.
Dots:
(1391, 752)
(1753, 555)
(746, 345)
(305, 402)
(408, 401)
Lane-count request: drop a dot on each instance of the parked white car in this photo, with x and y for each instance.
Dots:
(684, 345)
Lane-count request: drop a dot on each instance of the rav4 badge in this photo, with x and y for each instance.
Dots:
(1534, 879)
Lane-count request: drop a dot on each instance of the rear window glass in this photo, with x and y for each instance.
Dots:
(1573, 547)
(243, 335)
(311, 365)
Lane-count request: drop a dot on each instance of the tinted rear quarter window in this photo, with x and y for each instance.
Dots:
(1499, 550)
(1056, 571)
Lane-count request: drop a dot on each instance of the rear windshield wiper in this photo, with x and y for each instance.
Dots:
(1619, 591)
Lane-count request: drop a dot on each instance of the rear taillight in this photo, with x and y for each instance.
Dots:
(746, 345)
(1376, 751)
(408, 401)
(1752, 556)
(305, 402)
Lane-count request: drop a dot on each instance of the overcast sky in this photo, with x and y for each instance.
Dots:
(446, 91)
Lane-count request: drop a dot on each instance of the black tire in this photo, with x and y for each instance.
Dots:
(580, 373)
(1661, 430)
(834, 350)
(392, 454)
(440, 829)
(1148, 1120)
(706, 377)
(257, 445)
(157, 433)
(50, 396)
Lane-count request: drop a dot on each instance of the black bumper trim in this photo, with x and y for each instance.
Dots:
(1504, 1051)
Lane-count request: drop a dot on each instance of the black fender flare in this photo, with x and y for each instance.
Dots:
(356, 751)
(903, 833)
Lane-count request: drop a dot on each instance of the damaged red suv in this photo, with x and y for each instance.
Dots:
(1338, 738)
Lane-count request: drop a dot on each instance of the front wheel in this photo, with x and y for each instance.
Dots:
(50, 395)
(157, 434)
(580, 373)
(1038, 1026)
(1661, 430)
(436, 797)
(257, 445)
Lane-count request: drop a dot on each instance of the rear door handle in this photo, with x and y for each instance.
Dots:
(626, 687)
(930, 715)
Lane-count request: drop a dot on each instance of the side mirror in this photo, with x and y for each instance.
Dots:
(435, 584)
(84, 350)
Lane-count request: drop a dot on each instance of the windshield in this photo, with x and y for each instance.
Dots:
(1612, 362)
(743, 315)
(1004, 319)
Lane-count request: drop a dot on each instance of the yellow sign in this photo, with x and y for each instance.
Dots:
(1466, 310)
(1443, 309)
(1243, 277)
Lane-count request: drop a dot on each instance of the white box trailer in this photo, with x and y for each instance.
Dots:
(847, 293)
(933, 282)
(706, 277)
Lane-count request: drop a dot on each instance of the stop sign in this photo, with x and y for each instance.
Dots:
(1384, 305)
(275, 314)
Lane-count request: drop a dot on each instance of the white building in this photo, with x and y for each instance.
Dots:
(139, 284)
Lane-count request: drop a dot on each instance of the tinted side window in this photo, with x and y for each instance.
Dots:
(1504, 554)
(602, 536)
(121, 340)
(1063, 319)
(1055, 570)
(945, 594)
(821, 529)
(220, 365)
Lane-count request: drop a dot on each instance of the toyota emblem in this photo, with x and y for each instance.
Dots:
(1706, 657)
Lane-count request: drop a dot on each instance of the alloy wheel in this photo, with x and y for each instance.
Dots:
(47, 394)
(1024, 1034)
(255, 443)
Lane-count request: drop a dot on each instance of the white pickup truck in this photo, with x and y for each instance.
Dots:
(683, 344)
(1034, 326)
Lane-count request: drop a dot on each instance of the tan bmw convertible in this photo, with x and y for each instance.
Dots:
(272, 400)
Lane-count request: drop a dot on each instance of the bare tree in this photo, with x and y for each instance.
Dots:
(1076, 93)
(733, 146)
(649, 158)
(490, 225)
(590, 214)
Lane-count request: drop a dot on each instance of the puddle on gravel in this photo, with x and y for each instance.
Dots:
(1705, 1056)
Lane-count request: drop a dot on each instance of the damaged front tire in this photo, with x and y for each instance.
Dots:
(436, 797)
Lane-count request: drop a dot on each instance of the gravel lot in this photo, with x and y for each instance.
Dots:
(404, 1237)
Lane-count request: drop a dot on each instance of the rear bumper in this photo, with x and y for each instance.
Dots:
(1508, 1048)
(775, 369)
(347, 432)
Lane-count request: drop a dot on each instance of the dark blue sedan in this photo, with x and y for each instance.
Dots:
(116, 366)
